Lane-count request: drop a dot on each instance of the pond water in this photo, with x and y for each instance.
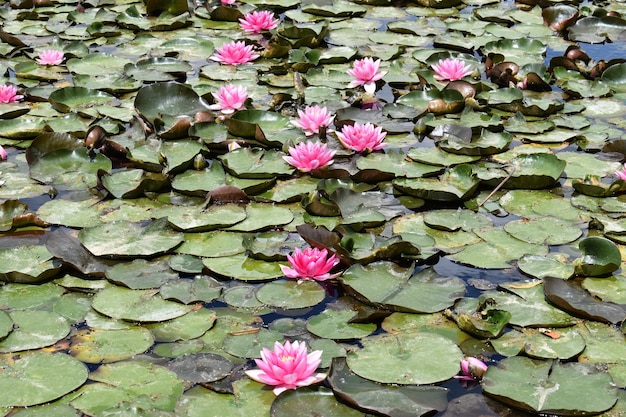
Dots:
(490, 225)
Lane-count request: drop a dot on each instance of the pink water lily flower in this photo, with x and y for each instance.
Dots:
(257, 22)
(472, 369)
(451, 69)
(288, 366)
(307, 156)
(50, 57)
(621, 174)
(8, 94)
(310, 264)
(227, 2)
(365, 72)
(362, 137)
(3, 154)
(234, 53)
(312, 118)
(230, 98)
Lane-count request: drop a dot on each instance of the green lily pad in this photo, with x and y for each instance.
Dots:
(611, 289)
(263, 216)
(141, 274)
(388, 286)
(212, 244)
(256, 163)
(191, 325)
(541, 343)
(157, 386)
(258, 124)
(130, 239)
(570, 297)
(403, 356)
(78, 99)
(199, 289)
(201, 367)
(105, 346)
(543, 230)
(38, 378)
(250, 345)
(397, 400)
(453, 220)
(322, 399)
(457, 184)
(335, 324)
(600, 257)
(202, 219)
(27, 264)
(497, 250)
(545, 266)
(488, 143)
(243, 268)
(69, 169)
(136, 305)
(251, 400)
(34, 329)
(133, 183)
(291, 294)
(528, 306)
(573, 389)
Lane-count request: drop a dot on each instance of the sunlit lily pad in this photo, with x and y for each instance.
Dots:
(243, 268)
(104, 346)
(541, 343)
(136, 305)
(251, 400)
(78, 98)
(130, 239)
(487, 143)
(38, 378)
(388, 286)
(322, 399)
(69, 169)
(202, 219)
(291, 294)
(497, 251)
(27, 264)
(600, 257)
(201, 367)
(140, 274)
(398, 400)
(200, 288)
(256, 163)
(335, 324)
(403, 356)
(34, 330)
(158, 386)
(573, 389)
(543, 230)
(457, 184)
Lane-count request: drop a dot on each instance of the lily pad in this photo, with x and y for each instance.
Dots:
(34, 329)
(294, 401)
(386, 285)
(130, 239)
(572, 389)
(398, 400)
(291, 294)
(136, 305)
(403, 356)
(38, 378)
(104, 346)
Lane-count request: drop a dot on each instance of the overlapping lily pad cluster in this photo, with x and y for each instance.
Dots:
(402, 189)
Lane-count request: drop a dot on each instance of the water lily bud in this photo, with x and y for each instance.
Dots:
(199, 163)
